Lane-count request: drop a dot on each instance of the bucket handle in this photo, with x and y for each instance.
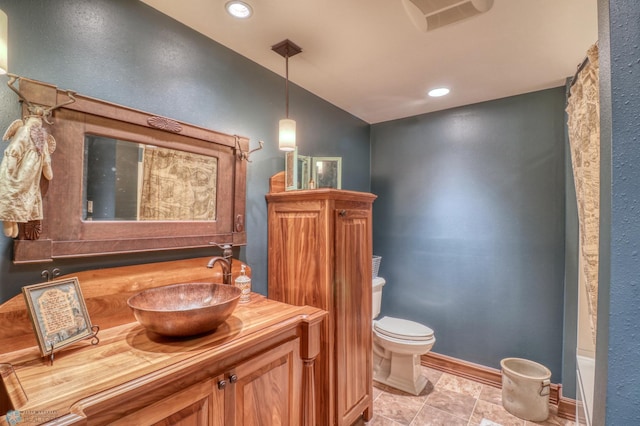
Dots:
(546, 387)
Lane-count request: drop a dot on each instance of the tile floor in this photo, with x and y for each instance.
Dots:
(447, 400)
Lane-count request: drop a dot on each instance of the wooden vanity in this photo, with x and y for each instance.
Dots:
(258, 365)
(256, 368)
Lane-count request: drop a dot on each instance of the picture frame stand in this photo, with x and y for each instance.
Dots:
(94, 341)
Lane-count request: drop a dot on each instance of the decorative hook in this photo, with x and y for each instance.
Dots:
(38, 110)
(243, 155)
(12, 79)
(50, 274)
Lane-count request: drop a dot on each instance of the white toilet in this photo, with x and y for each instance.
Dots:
(397, 346)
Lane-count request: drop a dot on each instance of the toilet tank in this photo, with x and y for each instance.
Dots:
(376, 296)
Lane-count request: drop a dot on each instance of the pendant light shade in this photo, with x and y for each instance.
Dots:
(287, 139)
(3, 42)
(287, 128)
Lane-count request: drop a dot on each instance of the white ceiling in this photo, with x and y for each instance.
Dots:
(366, 56)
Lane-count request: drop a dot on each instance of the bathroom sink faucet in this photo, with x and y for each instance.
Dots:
(226, 262)
(226, 268)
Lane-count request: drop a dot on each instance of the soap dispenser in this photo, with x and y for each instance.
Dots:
(243, 282)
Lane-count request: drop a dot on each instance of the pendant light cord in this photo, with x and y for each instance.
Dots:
(286, 85)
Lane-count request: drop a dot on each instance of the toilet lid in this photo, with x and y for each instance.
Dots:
(403, 329)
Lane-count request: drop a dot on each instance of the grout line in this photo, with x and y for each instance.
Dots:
(475, 405)
(419, 409)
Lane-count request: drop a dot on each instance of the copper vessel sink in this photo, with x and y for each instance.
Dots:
(184, 309)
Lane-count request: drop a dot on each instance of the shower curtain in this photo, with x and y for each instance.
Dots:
(178, 185)
(583, 110)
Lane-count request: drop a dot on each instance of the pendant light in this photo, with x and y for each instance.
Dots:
(287, 127)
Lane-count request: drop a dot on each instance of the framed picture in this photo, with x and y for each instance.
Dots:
(58, 313)
(291, 170)
(327, 172)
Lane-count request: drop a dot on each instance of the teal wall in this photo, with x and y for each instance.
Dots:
(470, 224)
(618, 347)
(125, 52)
(570, 314)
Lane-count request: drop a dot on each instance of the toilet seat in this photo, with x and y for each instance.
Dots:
(402, 329)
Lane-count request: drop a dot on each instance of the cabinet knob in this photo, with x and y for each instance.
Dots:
(222, 384)
(233, 378)
(343, 213)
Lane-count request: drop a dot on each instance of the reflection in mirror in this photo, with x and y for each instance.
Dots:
(327, 172)
(304, 171)
(125, 180)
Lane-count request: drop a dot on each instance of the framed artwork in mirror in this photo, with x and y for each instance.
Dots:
(327, 172)
(58, 313)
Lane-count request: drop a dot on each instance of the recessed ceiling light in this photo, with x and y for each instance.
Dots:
(440, 91)
(239, 9)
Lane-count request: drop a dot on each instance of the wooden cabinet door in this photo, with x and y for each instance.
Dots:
(300, 273)
(352, 312)
(265, 390)
(299, 254)
(196, 405)
(268, 389)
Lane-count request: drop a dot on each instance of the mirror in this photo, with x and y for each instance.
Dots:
(297, 170)
(125, 180)
(327, 172)
(306, 172)
(303, 165)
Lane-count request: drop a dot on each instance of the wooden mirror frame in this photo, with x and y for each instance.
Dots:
(63, 233)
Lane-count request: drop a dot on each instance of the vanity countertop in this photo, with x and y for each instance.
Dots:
(127, 356)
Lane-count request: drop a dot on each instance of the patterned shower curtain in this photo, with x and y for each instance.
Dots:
(178, 185)
(583, 109)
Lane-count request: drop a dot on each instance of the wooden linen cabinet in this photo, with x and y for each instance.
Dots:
(320, 249)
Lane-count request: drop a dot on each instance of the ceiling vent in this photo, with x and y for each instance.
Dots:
(428, 15)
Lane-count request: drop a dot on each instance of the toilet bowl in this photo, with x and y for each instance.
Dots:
(397, 347)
